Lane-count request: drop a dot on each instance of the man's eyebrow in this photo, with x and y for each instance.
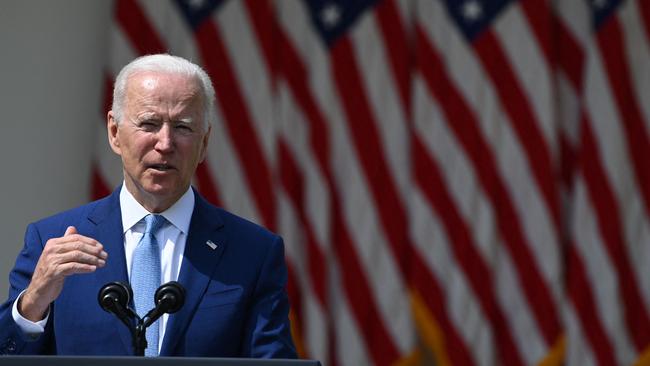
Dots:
(186, 120)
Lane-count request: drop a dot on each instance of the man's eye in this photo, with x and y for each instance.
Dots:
(183, 128)
(148, 125)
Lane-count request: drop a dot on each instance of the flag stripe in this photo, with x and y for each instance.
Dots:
(434, 296)
(294, 185)
(579, 292)
(237, 120)
(608, 214)
(522, 120)
(432, 185)
(362, 303)
(612, 51)
(396, 41)
(362, 125)
(139, 30)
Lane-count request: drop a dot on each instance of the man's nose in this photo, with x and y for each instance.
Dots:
(165, 138)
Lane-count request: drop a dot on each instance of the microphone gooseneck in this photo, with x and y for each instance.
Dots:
(169, 298)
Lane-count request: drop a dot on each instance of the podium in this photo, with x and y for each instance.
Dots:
(145, 361)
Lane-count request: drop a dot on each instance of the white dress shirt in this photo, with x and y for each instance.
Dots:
(171, 238)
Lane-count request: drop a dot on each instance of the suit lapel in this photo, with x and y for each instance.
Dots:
(199, 262)
(106, 221)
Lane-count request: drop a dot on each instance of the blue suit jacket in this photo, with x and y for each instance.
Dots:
(236, 304)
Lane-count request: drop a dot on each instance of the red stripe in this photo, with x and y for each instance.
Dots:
(610, 40)
(611, 230)
(107, 97)
(206, 185)
(522, 118)
(366, 141)
(540, 19)
(579, 293)
(427, 175)
(465, 126)
(237, 120)
(355, 284)
(644, 6)
(99, 187)
(371, 324)
(571, 57)
(294, 185)
(434, 298)
(398, 48)
(136, 26)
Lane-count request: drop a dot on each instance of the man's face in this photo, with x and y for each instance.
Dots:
(161, 137)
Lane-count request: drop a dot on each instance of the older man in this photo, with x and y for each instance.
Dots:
(153, 229)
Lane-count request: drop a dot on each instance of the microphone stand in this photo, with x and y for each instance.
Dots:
(115, 297)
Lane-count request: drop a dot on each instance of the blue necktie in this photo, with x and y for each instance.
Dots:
(145, 277)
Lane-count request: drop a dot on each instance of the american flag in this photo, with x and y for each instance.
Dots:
(458, 182)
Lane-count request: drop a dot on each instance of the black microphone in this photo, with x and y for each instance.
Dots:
(114, 297)
(169, 298)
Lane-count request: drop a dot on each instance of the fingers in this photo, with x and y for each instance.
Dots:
(70, 230)
(61, 257)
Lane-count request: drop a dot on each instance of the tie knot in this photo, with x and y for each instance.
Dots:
(153, 223)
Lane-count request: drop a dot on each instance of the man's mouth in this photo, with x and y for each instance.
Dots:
(161, 167)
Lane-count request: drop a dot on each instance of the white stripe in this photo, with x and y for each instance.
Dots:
(480, 219)
(463, 69)
(464, 312)
(601, 273)
(612, 142)
(314, 317)
(385, 281)
(377, 260)
(108, 163)
(637, 54)
(228, 173)
(382, 90)
(351, 350)
(578, 350)
(576, 16)
(295, 131)
(250, 72)
(526, 57)
(121, 51)
(171, 26)
(510, 294)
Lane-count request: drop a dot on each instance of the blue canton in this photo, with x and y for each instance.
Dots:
(196, 12)
(472, 17)
(601, 10)
(333, 18)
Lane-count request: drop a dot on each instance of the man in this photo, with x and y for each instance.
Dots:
(233, 271)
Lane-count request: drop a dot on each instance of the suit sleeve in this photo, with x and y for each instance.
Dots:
(12, 338)
(267, 333)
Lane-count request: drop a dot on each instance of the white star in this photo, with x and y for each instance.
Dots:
(472, 10)
(196, 4)
(330, 15)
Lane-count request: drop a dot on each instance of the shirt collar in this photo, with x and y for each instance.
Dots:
(179, 214)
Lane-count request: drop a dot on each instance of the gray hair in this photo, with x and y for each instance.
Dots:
(168, 64)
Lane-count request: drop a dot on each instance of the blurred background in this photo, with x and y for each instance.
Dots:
(458, 182)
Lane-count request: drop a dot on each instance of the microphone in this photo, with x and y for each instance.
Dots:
(169, 298)
(114, 297)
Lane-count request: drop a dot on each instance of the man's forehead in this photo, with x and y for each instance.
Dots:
(149, 80)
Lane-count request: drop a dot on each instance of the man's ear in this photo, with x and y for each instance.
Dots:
(112, 129)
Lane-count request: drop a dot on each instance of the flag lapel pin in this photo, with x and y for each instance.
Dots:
(211, 244)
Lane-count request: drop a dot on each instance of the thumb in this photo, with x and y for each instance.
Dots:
(70, 230)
